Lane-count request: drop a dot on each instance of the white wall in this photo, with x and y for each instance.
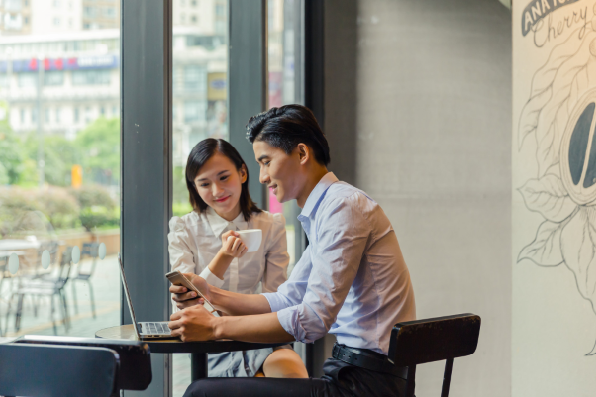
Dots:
(418, 113)
(554, 239)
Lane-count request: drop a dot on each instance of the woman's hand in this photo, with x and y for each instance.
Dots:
(232, 245)
(185, 298)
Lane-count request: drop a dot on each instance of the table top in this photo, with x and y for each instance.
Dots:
(169, 346)
(18, 245)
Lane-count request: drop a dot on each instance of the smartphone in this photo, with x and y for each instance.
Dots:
(178, 278)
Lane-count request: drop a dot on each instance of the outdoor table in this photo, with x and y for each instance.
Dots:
(18, 245)
(198, 350)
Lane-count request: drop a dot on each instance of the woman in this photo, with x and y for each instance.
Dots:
(206, 242)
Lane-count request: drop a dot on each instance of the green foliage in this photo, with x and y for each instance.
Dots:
(59, 156)
(11, 156)
(59, 206)
(179, 189)
(93, 195)
(99, 148)
(96, 216)
(181, 208)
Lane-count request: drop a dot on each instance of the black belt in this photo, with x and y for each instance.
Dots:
(368, 359)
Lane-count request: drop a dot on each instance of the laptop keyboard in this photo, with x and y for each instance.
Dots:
(157, 328)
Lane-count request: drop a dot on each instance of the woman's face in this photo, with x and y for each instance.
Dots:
(219, 183)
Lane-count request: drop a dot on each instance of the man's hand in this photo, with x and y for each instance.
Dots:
(185, 298)
(232, 246)
(193, 324)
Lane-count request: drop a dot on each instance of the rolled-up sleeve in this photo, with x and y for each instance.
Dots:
(276, 257)
(342, 234)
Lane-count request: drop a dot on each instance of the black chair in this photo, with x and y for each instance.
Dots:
(433, 339)
(48, 286)
(90, 250)
(27, 370)
(53, 366)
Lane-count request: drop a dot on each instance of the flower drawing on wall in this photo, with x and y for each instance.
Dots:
(560, 115)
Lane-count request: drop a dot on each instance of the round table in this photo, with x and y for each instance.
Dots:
(197, 350)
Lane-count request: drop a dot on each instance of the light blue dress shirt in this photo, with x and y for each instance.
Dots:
(351, 280)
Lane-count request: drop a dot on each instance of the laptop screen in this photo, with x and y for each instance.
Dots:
(132, 310)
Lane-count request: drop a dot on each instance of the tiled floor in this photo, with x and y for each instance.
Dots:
(106, 286)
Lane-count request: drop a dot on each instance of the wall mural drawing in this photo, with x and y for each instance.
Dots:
(560, 114)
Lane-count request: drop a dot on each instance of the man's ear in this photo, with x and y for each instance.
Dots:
(303, 152)
(243, 173)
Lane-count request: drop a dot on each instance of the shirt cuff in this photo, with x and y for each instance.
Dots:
(276, 303)
(289, 320)
(211, 278)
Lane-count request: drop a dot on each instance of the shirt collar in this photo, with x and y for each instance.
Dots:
(317, 193)
(220, 225)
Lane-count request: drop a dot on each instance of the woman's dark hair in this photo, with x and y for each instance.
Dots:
(288, 126)
(197, 158)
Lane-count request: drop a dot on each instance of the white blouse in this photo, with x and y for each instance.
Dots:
(195, 239)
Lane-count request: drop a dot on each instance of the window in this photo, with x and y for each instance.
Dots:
(53, 78)
(61, 186)
(220, 10)
(110, 12)
(91, 77)
(199, 108)
(102, 110)
(27, 79)
(284, 50)
(194, 111)
(195, 78)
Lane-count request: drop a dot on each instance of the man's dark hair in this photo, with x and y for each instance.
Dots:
(198, 156)
(286, 127)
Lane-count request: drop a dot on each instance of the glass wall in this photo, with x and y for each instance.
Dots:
(199, 83)
(59, 166)
(285, 71)
(200, 108)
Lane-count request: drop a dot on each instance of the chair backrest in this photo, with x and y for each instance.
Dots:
(91, 250)
(433, 339)
(65, 265)
(57, 371)
(134, 372)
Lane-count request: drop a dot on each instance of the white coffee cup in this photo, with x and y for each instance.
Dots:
(251, 238)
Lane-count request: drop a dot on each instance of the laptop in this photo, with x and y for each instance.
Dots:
(144, 330)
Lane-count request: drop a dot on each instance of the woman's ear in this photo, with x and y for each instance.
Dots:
(303, 152)
(243, 173)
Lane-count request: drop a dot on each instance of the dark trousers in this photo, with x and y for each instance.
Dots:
(340, 380)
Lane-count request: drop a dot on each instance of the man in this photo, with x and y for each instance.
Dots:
(351, 280)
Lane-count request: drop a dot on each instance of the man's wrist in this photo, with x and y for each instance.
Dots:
(218, 328)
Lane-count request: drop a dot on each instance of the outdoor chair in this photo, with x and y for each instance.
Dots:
(90, 250)
(433, 339)
(52, 248)
(45, 287)
(57, 367)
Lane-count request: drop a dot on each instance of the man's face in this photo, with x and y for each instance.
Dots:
(281, 172)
